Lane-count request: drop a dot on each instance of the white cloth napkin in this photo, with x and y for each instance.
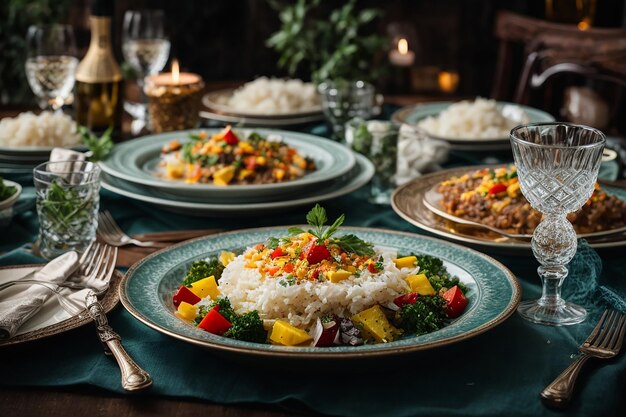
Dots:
(17, 309)
(418, 154)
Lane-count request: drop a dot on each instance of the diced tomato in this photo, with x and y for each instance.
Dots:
(250, 162)
(317, 254)
(288, 268)
(455, 301)
(497, 189)
(306, 250)
(409, 298)
(259, 247)
(214, 322)
(277, 253)
(272, 270)
(185, 294)
(315, 274)
(229, 137)
(372, 268)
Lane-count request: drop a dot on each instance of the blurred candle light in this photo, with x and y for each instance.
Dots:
(402, 56)
(448, 81)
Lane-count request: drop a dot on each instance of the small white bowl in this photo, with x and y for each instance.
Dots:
(6, 206)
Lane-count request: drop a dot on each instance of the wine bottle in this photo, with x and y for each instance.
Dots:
(98, 76)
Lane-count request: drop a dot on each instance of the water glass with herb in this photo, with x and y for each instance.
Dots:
(378, 140)
(68, 198)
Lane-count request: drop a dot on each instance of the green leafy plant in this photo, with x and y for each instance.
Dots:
(100, 147)
(335, 45)
(6, 191)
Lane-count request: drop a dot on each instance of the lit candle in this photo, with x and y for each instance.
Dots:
(402, 56)
(448, 81)
(173, 99)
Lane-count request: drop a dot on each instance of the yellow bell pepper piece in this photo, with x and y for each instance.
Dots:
(285, 334)
(187, 311)
(226, 257)
(420, 284)
(204, 287)
(406, 262)
(374, 325)
(337, 276)
(224, 175)
(174, 170)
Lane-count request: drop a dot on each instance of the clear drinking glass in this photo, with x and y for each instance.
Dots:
(51, 63)
(557, 165)
(344, 100)
(146, 49)
(68, 198)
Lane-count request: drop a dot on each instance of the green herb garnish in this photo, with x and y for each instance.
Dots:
(100, 147)
(426, 315)
(67, 209)
(316, 218)
(6, 191)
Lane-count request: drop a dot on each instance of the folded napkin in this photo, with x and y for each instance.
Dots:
(16, 310)
(418, 154)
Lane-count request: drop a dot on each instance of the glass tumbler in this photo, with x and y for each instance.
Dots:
(344, 100)
(68, 198)
(557, 165)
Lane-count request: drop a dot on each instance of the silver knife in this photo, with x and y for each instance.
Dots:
(133, 377)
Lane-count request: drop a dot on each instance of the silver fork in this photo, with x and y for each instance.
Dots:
(110, 232)
(603, 343)
(96, 263)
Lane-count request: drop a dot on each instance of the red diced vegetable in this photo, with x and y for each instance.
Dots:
(325, 334)
(456, 301)
(288, 268)
(317, 254)
(277, 253)
(250, 162)
(229, 137)
(273, 270)
(372, 268)
(497, 189)
(409, 298)
(185, 294)
(214, 322)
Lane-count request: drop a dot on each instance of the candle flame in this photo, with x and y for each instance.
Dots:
(175, 71)
(403, 46)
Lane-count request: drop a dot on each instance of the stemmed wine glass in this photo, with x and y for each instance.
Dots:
(51, 63)
(557, 165)
(146, 49)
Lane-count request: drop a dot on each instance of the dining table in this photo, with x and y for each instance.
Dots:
(499, 372)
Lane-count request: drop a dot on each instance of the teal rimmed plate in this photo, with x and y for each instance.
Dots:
(149, 285)
(137, 161)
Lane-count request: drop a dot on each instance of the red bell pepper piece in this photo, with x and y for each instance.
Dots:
(455, 301)
(185, 294)
(372, 268)
(214, 322)
(288, 268)
(278, 252)
(229, 137)
(273, 270)
(497, 189)
(250, 162)
(317, 253)
(409, 298)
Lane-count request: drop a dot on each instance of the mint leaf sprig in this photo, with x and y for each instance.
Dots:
(317, 218)
(100, 147)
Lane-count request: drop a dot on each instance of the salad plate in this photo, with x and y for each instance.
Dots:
(52, 319)
(360, 175)
(413, 114)
(137, 162)
(493, 293)
(408, 201)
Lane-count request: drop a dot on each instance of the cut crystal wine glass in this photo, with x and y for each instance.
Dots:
(557, 166)
(51, 63)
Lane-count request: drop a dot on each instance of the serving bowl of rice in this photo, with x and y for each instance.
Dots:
(470, 125)
(31, 133)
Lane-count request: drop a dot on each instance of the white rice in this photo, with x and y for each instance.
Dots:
(44, 130)
(274, 95)
(478, 119)
(303, 302)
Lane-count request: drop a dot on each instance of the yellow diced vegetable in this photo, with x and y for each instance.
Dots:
(279, 174)
(406, 262)
(245, 173)
(374, 325)
(261, 160)
(174, 170)
(420, 284)
(337, 276)
(226, 257)
(284, 333)
(224, 176)
(299, 161)
(513, 190)
(204, 287)
(187, 311)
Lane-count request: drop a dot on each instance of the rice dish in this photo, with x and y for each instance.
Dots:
(478, 119)
(274, 96)
(44, 130)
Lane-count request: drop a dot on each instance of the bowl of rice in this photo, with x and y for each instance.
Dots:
(31, 133)
(470, 125)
